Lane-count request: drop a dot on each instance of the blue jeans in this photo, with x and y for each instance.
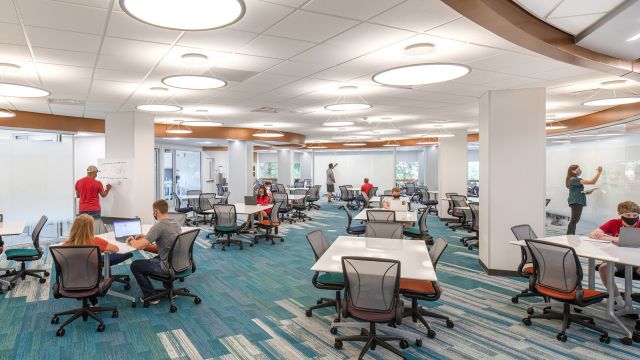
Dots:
(94, 214)
(360, 200)
(141, 270)
(115, 258)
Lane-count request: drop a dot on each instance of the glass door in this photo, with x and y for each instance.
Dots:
(181, 172)
(167, 174)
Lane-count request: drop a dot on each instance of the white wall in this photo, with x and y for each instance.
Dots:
(87, 150)
(452, 167)
(306, 164)
(354, 166)
(220, 162)
(431, 171)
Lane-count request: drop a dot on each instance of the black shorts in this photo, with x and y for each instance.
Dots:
(330, 188)
(620, 271)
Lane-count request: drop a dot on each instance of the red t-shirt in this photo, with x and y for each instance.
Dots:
(99, 242)
(366, 187)
(612, 227)
(264, 200)
(88, 190)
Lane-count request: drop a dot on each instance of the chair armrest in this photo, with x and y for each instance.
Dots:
(104, 286)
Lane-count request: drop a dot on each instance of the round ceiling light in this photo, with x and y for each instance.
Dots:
(316, 146)
(348, 106)
(421, 74)
(185, 14)
(612, 101)
(9, 67)
(338, 123)
(6, 113)
(158, 89)
(159, 107)
(355, 144)
(17, 90)
(268, 133)
(193, 82)
(194, 59)
(419, 49)
(178, 129)
(439, 135)
(197, 123)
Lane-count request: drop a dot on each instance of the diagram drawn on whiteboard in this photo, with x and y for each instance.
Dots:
(114, 171)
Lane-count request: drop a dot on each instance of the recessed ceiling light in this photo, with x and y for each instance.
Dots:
(348, 106)
(634, 37)
(4, 113)
(612, 101)
(159, 107)
(316, 146)
(17, 90)
(185, 14)
(202, 123)
(421, 74)
(348, 88)
(419, 49)
(355, 144)
(440, 121)
(194, 59)
(438, 135)
(561, 141)
(338, 123)
(193, 82)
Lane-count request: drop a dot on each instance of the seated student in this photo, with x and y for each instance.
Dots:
(163, 234)
(81, 233)
(263, 199)
(364, 192)
(628, 211)
(395, 194)
(267, 186)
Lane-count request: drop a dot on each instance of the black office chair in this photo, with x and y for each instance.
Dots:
(372, 289)
(422, 231)
(314, 195)
(387, 230)
(410, 189)
(525, 268)
(281, 188)
(78, 276)
(463, 215)
(181, 265)
(473, 241)
(373, 191)
(381, 216)
(178, 217)
(324, 281)
(300, 206)
(451, 204)
(270, 225)
(177, 205)
(352, 230)
(298, 183)
(347, 197)
(26, 255)
(225, 224)
(203, 205)
(285, 208)
(192, 203)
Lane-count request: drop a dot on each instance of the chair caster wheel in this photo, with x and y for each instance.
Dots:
(55, 320)
(251, 245)
(605, 339)
(530, 311)
(60, 332)
(308, 313)
(114, 314)
(185, 290)
(333, 330)
(46, 273)
(404, 344)
(562, 337)
(514, 300)
(181, 279)
(133, 304)
(337, 344)
(223, 249)
(42, 281)
(173, 308)
(626, 340)
(318, 302)
(100, 328)
(145, 304)
(431, 334)
(450, 324)
(419, 343)
(127, 286)
(578, 310)
(526, 321)
(197, 300)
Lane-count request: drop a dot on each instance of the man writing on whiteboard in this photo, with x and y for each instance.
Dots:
(87, 190)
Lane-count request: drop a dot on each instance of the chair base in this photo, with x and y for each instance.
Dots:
(122, 279)
(225, 242)
(170, 294)
(84, 312)
(23, 272)
(300, 216)
(418, 313)
(371, 340)
(525, 293)
(268, 236)
(325, 303)
(567, 319)
(311, 206)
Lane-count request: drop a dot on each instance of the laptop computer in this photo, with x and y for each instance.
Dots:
(629, 237)
(125, 228)
(398, 205)
(250, 200)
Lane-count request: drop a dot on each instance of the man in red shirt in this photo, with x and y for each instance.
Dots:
(364, 192)
(629, 216)
(87, 190)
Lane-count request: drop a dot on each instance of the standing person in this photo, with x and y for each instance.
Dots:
(331, 180)
(577, 196)
(163, 234)
(87, 190)
(364, 192)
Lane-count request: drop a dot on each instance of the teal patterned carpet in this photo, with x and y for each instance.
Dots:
(253, 304)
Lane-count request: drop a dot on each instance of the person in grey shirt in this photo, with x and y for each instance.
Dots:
(163, 234)
(331, 180)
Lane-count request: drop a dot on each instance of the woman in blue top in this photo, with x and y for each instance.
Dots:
(577, 196)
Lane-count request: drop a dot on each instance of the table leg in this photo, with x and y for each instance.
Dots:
(107, 274)
(592, 274)
(610, 301)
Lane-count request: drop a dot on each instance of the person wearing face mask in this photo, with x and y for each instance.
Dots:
(263, 199)
(577, 197)
(267, 186)
(629, 216)
(163, 233)
(395, 195)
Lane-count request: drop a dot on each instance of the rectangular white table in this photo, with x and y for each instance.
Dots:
(242, 209)
(401, 216)
(605, 251)
(377, 198)
(296, 197)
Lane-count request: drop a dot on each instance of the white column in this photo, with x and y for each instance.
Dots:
(512, 172)
(130, 135)
(422, 165)
(240, 173)
(431, 171)
(306, 165)
(452, 168)
(285, 167)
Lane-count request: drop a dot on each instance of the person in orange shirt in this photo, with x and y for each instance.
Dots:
(88, 189)
(263, 199)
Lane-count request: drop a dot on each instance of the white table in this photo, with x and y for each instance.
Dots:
(377, 198)
(242, 209)
(433, 191)
(401, 216)
(605, 251)
(296, 197)
(297, 188)
(189, 197)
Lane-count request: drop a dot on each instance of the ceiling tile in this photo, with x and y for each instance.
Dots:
(121, 76)
(260, 16)
(275, 47)
(369, 37)
(102, 4)
(584, 7)
(574, 24)
(309, 26)
(219, 39)
(123, 26)
(8, 13)
(63, 16)
(539, 8)
(356, 9)
(63, 57)
(329, 55)
(294, 3)
(14, 53)
(39, 105)
(11, 34)
(247, 62)
(263, 82)
(110, 91)
(130, 55)
(63, 40)
(417, 15)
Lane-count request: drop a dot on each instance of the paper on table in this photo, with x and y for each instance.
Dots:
(587, 192)
(586, 238)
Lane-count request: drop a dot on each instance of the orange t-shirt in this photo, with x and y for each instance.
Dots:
(99, 242)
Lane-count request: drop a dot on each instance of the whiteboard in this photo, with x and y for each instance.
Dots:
(118, 173)
(353, 167)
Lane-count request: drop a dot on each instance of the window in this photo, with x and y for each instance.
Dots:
(268, 170)
(407, 170)
(473, 170)
(296, 171)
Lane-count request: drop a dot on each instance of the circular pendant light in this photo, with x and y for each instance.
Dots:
(385, 131)
(338, 123)
(159, 107)
(612, 101)
(355, 144)
(391, 143)
(180, 128)
(193, 82)
(18, 90)
(267, 133)
(348, 106)
(316, 146)
(185, 15)
(421, 74)
(4, 113)
(202, 123)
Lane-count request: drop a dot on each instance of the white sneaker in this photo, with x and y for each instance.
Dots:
(152, 302)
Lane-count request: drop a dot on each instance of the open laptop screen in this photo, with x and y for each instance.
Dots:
(126, 228)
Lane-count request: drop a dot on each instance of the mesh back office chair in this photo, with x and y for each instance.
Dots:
(525, 269)
(177, 205)
(285, 209)
(381, 216)
(270, 225)
(410, 189)
(352, 230)
(78, 276)
(193, 202)
(387, 230)
(462, 215)
(281, 188)
(324, 281)
(451, 204)
(203, 205)
(347, 196)
(558, 275)
(298, 183)
(300, 206)
(180, 218)
(472, 241)
(373, 191)
(372, 294)
(98, 227)
(26, 255)
(422, 231)
(387, 192)
(314, 195)
(225, 224)
(425, 290)
(181, 265)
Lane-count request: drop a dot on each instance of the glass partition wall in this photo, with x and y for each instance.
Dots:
(179, 171)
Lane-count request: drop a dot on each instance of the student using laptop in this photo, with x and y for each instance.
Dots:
(263, 199)
(364, 192)
(395, 203)
(163, 234)
(628, 212)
